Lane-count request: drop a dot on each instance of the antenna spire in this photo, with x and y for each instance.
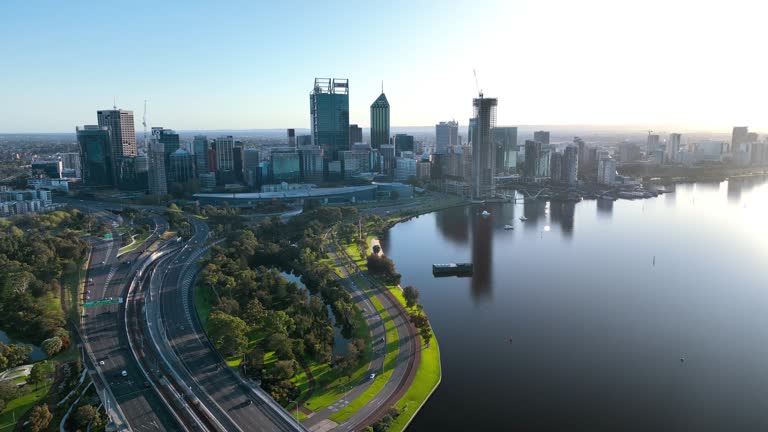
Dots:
(114, 103)
(382, 86)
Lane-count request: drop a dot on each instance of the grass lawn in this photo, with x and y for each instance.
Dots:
(133, 246)
(330, 385)
(24, 403)
(427, 378)
(203, 303)
(393, 347)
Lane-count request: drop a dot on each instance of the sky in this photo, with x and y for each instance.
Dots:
(251, 64)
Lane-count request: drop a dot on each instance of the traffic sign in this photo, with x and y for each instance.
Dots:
(103, 302)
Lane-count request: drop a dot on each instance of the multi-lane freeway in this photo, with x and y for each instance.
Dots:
(237, 404)
(106, 341)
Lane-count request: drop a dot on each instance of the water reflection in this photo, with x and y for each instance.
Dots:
(604, 208)
(481, 255)
(533, 211)
(453, 225)
(739, 185)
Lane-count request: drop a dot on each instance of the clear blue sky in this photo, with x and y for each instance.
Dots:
(244, 65)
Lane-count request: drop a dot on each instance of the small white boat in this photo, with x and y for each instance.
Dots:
(509, 227)
(485, 213)
(523, 218)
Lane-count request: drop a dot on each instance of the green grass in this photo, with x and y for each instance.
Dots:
(203, 303)
(135, 245)
(427, 378)
(330, 385)
(390, 358)
(25, 402)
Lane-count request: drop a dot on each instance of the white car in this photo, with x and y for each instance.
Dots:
(124, 373)
(101, 363)
(372, 376)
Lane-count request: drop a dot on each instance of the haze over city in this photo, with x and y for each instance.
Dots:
(685, 64)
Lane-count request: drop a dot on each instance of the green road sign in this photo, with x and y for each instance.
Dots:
(108, 236)
(103, 302)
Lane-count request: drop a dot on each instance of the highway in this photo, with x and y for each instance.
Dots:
(103, 330)
(236, 404)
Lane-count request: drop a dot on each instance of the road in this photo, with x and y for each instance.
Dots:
(236, 404)
(103, 328)
(406, 360)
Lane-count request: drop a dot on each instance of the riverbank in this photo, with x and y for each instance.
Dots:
(421, 383)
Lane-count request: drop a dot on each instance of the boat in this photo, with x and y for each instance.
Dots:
(485, 213)
(523, 218)
(509, 227)
(452, 269)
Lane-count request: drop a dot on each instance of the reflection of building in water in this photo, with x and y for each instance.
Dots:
(453, 224)
(482, 233)
(561, 213)
(737, 186)
(604, 207)
(533, 210)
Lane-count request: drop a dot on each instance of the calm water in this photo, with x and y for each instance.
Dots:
(568, 325)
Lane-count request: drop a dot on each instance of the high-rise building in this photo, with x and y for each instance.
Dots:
(556, 167)
(355, 135)
(200, 146)
(284, 166)
(387, 152)
(329, 110)
(405, 168)
(471, 130)
(753, 137)
(738, 137)
(303, 140)
(542, 137)
(483, 150)
(446, 136)
(292, 138)
(158, 185)
(169, 139)
(582, 146)
(225, 159)
(251, 171)
(629, 152)
(311, 163)
(403, 143)
(238, 161)
(505, 140)
(532, 154)
(652, 144)
(71, 161)
(380, 121)
(606, 171)
(96, 158)
(570, 170)
(181, 165)
(673, 147)
(121, 130)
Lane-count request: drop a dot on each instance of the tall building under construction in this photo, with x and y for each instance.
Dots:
(483, 149)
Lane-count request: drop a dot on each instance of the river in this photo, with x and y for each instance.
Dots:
(598, 316)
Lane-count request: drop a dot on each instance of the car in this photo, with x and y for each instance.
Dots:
(102, 263)
(146, 384)
(372, 376)
(101, 362)
(124, 373)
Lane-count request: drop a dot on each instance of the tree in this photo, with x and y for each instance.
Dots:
(228, 333)
(40, 418)
(426, 334)
(411, 295)
(421, 322)
(38, 373)
(254, 362)
(8, 391)
(254, 313)
(279, 322)
(84, 415)
(52, 346)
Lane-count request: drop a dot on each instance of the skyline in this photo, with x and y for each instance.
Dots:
(595, 63)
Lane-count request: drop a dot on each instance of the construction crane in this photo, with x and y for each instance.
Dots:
(480, 92)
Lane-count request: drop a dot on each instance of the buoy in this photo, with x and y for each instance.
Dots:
(682, 359)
